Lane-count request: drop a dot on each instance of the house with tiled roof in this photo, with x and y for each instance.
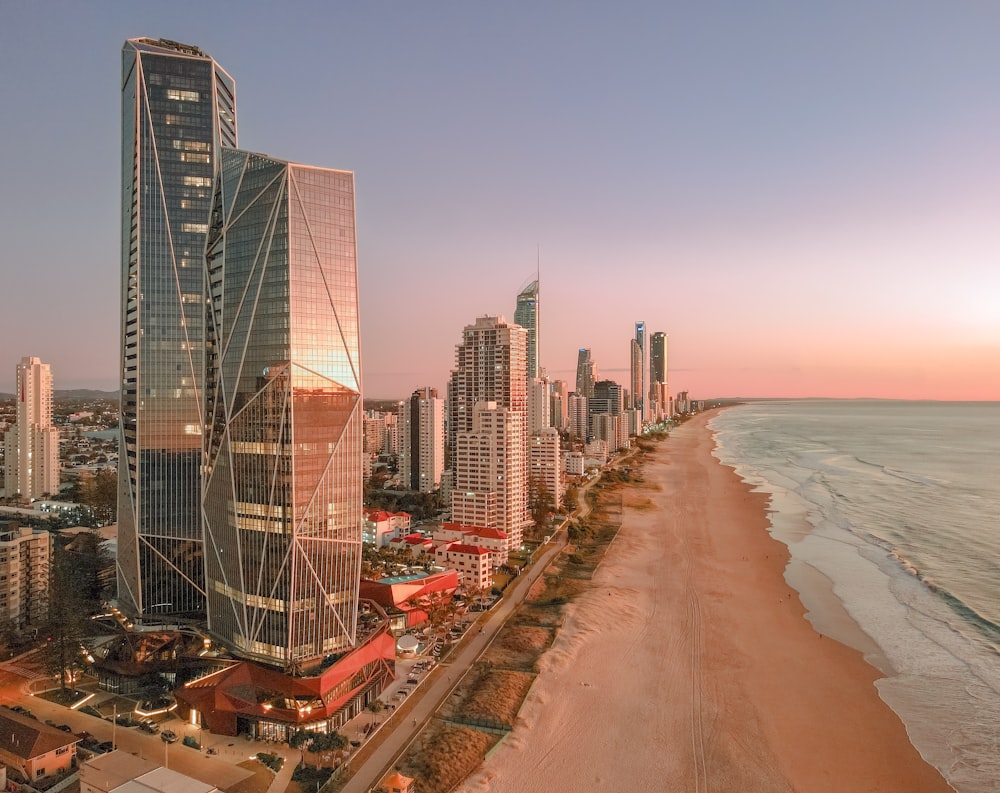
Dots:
(31, 750)
(494, 540)
(121, 772)
(416, 544)
(382, 527)
(471, 562)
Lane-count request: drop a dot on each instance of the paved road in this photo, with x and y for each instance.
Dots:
(448, 674)
(434, 693)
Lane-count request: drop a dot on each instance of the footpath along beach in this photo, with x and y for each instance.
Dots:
(688, 665)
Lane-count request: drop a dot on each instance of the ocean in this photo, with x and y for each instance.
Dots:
(894, 507)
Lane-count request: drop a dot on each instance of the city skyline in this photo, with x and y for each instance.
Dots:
(802, 199)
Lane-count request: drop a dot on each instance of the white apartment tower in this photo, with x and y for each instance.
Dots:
(488, 427)
(421, 440)
(31, 446)
(539, 404)
(547, 464)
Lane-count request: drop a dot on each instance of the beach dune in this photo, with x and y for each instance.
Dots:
(689, 665)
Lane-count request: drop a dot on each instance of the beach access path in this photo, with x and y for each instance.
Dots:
(688, 664)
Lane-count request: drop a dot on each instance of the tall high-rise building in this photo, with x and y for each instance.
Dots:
(539, 404)
(586, 374)
(178, 112)
(488, 427)
(526, 315)
(639, 370)
(490, 365)
(25, 556)
(559, 410)
(547, 464)
(658, 389)
(282, 496)
(421, 447)
(31, 446)
(578, 418)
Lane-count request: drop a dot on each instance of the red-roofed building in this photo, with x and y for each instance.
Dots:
(416, 544)
(381, 527)
(399, 599)
(32, 750)
(472, 562)
(494, 540)
(269, 704)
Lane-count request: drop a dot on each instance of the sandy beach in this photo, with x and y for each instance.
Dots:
(689, 664)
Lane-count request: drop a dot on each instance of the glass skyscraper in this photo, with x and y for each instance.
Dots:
(283, 475)
(526, 315)
(178, 112)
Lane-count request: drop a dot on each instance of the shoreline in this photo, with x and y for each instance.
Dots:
(683, 599)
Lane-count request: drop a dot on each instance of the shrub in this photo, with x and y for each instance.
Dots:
(272, 761)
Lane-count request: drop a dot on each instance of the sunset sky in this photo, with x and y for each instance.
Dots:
(804, 196)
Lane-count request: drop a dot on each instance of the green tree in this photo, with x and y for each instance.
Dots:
(100, 493)
(540, 502)
(326, 742)
(376, 706)
(68, 620)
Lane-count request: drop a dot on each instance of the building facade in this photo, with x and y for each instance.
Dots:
(586, 373)
(178, 113)
(282, 494)
(547, 465)
(31, 446)
(491, 472)
(639, 371)
(421, 448)
(25, 558)
(659, 394)
(526, 315)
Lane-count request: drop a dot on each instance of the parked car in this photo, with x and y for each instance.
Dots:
(169, 736)
(148, 726)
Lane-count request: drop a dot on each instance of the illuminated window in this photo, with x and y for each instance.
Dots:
(198, 181)
(196, 228)
(182, 96)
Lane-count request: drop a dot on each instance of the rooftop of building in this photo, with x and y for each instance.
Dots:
(25, 737)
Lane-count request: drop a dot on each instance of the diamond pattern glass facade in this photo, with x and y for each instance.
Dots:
(282, 493)
(178, 111)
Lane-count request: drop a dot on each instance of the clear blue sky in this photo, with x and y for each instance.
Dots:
(804, 196)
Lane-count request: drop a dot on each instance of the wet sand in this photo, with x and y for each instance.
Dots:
(689, 665)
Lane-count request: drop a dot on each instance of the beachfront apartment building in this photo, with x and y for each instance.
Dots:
(574, 463)
(546, 463)
(491, 472)
(471, 562)
(494, 540)
(25, 558)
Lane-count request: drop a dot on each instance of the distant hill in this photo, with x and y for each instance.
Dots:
(76, 393)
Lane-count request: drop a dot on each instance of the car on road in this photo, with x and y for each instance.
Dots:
(168, 736)
(149, 726)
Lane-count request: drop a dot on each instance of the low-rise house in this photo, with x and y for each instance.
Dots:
(382, 527)
(31, 750)
(496, 541)
(416, 544)
(471, 562)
